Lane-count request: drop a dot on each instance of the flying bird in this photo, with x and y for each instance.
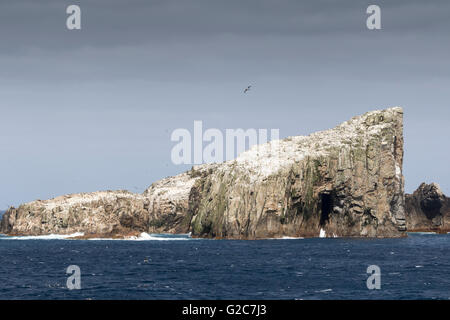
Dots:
(247, 89)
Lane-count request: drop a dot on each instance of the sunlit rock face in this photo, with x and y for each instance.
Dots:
(346, 181)
(428, 209)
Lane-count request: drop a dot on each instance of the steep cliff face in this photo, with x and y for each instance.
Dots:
(346, 181)
(428, 209)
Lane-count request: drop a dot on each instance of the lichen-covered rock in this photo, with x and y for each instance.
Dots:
(346, 181)
(428, 209)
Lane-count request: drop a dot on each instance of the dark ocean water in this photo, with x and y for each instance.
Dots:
(417, 267)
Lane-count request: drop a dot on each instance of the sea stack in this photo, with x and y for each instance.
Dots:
(344, 182)
(428, 209)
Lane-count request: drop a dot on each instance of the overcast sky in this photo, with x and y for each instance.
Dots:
(93, 109)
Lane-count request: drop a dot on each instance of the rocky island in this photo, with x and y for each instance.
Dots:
(345, 181)
(428, 210)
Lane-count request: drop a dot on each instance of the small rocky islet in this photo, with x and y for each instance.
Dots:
(342, 182)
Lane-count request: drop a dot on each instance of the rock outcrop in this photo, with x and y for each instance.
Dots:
(428, 210)
(346, 181)
(97, 213)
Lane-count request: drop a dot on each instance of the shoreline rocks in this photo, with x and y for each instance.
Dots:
(344, 182)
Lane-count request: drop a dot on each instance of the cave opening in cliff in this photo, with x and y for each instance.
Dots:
(326, 206)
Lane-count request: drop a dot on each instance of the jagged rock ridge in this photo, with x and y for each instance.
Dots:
(346, 181)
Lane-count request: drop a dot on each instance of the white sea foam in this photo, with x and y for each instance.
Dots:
(322, 234)
(325, 290)
(45, 237)
(159, 237)
(154, 237)
(284, 238)
(142, 237)
(425, 232)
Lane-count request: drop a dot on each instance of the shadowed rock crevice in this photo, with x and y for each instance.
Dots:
(326, 207)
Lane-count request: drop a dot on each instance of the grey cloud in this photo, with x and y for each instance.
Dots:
(93, 109)
(26, 23)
